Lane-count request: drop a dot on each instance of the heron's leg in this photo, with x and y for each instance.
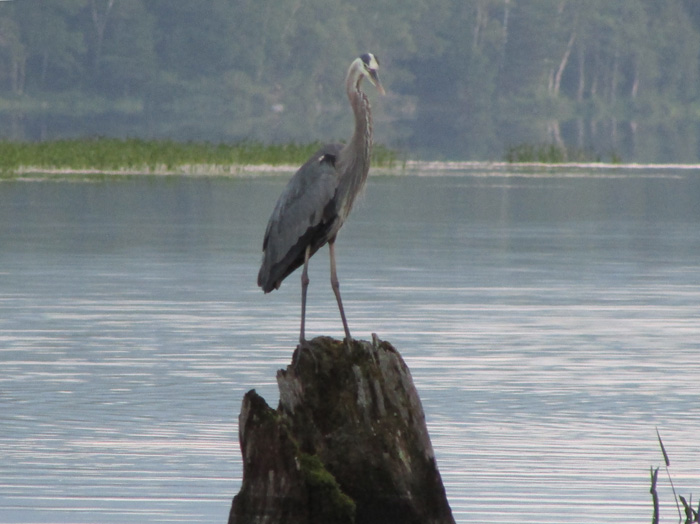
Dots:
(336, 289)
(304, 285)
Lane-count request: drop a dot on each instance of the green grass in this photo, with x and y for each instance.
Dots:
(109, 154)
(554, 154)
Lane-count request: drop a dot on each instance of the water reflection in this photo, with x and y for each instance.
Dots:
(549, 322)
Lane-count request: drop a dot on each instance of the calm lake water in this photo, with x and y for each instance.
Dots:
(551, 321)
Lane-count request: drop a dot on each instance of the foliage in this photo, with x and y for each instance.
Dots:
(153, 155)
(553, 154)
(464, 76)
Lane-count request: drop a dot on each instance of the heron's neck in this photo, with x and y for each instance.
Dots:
(355, 156)
(362, 137)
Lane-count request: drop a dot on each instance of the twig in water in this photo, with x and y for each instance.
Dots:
(668, 463)
(654, 495)
(690, 514)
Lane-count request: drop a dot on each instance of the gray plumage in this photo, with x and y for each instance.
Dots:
(318, 198)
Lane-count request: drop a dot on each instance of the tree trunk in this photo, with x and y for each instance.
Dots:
(506, 14)
(613, 77)
(635, 82)
(348, 443)
(99, 20)
(562, 65)
(581, 73)
(18, 74)
(481, 22)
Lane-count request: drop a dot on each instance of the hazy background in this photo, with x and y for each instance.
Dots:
(466, 78)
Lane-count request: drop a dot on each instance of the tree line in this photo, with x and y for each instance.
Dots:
(466, 78)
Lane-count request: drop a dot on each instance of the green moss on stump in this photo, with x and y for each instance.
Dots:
(326, 499)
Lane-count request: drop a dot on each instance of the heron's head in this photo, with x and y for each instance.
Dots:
(370, 64)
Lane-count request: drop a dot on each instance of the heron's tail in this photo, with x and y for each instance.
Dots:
(265, 280)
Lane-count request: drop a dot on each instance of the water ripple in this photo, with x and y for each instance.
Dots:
(546, 341)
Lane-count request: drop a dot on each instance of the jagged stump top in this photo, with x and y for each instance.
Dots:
(357, 413)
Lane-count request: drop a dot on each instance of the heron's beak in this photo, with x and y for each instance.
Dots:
(374, 79)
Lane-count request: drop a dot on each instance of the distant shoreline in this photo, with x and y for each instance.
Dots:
(131, 156)
(408, 168)
(95, 158)
(183, 170)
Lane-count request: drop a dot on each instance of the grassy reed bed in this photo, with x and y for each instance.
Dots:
(692, 516)
(156, 156)
(554, 154)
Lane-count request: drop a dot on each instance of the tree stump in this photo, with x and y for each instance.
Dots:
(347, 443)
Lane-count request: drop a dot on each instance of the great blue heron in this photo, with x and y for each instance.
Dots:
(318, 198)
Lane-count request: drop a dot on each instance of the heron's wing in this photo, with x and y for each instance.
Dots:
(304, 215)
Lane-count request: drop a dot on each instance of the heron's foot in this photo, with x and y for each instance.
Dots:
(305, 350)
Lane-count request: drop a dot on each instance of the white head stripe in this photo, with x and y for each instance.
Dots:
(373, 64)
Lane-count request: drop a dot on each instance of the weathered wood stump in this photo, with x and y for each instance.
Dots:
(347, 443)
